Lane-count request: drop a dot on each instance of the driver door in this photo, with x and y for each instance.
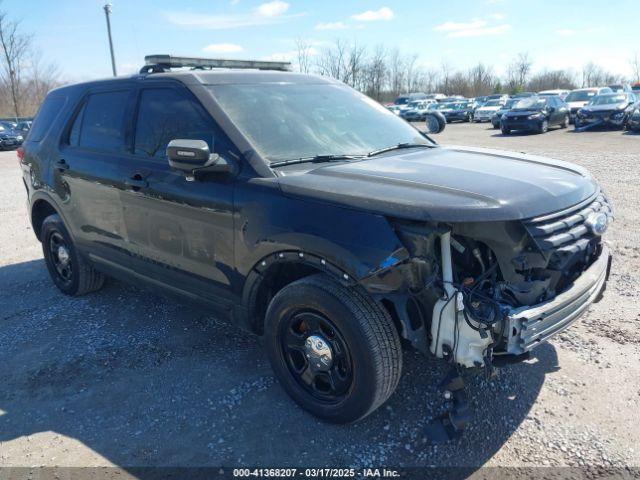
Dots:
(179, 232)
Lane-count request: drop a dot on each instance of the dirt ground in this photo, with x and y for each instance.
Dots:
(121, 377)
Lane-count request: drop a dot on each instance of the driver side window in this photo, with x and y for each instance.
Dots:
(165, 114)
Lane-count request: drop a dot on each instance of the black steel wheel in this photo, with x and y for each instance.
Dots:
(317, 355)
(59, 253)
(71, 273)
(334, 349)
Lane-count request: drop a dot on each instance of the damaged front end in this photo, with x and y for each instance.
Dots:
(481, 293)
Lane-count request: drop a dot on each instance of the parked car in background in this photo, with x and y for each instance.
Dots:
(459, 112)
(409, 97)
(416, 110)
(633, 122)
(609, 110)
(435, 96)
(498, 96)
(620, 87)
(579, 97)
(524, 95)
(636, 88)
(10, 138)
(484, 113)
(396, 109)
(535, 114)
(24, 126)
(497, 115)
(559, 92)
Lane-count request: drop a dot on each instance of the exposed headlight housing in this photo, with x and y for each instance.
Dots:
(19, 137)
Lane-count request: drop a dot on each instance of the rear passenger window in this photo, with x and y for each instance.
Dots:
(48, 112)
(164, 115)
(101, 122)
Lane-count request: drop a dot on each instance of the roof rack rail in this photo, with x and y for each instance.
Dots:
(163, 63)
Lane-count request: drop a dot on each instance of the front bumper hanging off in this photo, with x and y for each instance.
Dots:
(531, 325)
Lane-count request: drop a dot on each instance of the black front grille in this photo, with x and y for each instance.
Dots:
(566, 232)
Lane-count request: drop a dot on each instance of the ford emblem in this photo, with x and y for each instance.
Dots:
(597, 222)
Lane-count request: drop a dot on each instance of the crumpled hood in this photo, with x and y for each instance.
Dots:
(455, 184)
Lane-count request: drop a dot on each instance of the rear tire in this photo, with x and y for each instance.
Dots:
(364, 362)
(70, 272)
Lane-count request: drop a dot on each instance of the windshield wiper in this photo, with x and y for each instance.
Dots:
(315, 158)
(399, 146)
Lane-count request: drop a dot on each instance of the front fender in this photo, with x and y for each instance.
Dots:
(356, 243)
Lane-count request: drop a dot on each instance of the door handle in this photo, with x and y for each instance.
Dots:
(62, 165)
(136, 182)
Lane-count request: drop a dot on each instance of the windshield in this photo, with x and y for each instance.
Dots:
(608, 99)
(291, 121)
(493, 103)
(459, 106)
(530, 103)
(510, 103)
(580, 96)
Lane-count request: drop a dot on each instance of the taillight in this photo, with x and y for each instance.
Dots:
(20, 153)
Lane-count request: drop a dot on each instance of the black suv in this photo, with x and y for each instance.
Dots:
(310, 214)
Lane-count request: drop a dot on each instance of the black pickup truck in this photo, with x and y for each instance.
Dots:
(310, 214)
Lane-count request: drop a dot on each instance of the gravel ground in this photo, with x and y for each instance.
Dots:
(121, 377)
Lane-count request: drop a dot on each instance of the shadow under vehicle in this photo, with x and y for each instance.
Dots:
(342, 235)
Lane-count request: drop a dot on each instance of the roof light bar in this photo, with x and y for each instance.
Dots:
(170, 61)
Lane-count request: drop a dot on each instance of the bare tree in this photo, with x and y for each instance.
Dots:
(635, 66)
(376, 73)
(481, 79)
(549, 80)
(303, 48)
(445, 75)
(355, 64)
(331, 61)
(518, 72)
(594, 76)
(15, 47)
(42, 77)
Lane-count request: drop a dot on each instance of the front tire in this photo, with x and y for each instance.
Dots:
(334, 350)
(70, 272)
(505, 130)
(544, 126)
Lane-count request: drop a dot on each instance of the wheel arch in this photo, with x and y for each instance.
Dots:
(275, 271)
(41, 208)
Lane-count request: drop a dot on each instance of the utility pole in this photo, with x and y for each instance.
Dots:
(107, 12)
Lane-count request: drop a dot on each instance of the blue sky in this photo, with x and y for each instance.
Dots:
(557, 33)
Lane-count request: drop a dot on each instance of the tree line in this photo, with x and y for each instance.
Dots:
(25, 76)
(384, 73)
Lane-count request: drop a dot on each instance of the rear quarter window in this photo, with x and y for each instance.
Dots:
(46, 116)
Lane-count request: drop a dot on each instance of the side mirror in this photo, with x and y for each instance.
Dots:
(193, 157)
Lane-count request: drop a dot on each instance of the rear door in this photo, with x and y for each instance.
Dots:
(88, 174)
(180, 232)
